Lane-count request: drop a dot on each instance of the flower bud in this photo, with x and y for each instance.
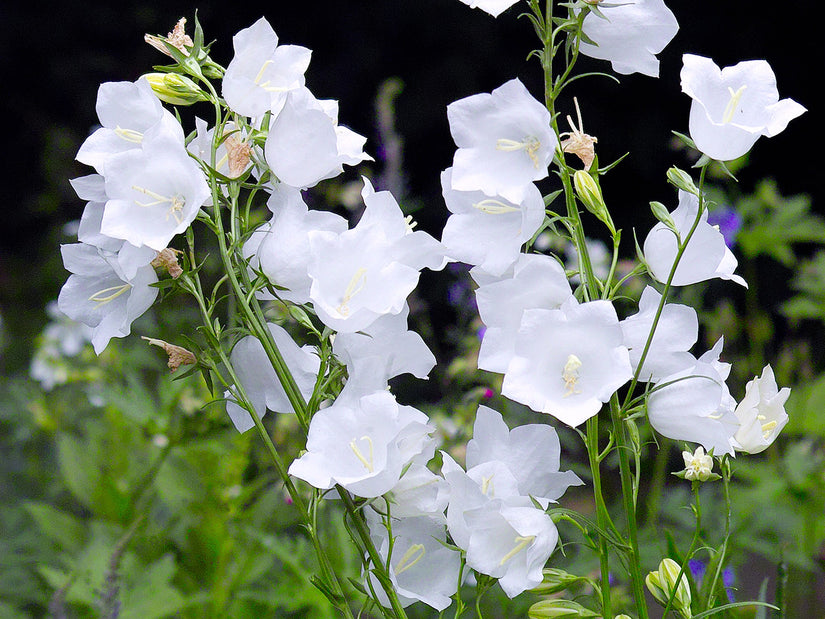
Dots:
(556, 580)
(175, 89)
(547, 609)
(661, 213)
(662, 583)
(588, 191)
(682, 180)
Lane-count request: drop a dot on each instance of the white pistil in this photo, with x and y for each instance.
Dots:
(366, 461)
(265, 85)
(356, 284)
(529, 144)
(570, 375)
(413, 555)
(492, 206)
(176, 202)
(767, 428)
(102, 297)
(735, 97)
(130, 135)
(521, 543)
(410, 223)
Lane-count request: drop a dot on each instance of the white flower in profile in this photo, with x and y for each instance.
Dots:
(420, 492)
(306, 145)
(129, 112)
(261, 383)
(262, 72)
(369, 270)
(567, 362)
(695, 405)
(733, 106)
(488, 231)
(629, 34)
(706, 255)
(505, 141)
(761, 413)
(537, 281)
(676, 332)
(99, 295)
(364, 444)
(493, 7)
(154, 193)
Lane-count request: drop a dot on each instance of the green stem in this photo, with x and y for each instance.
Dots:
(602, 517)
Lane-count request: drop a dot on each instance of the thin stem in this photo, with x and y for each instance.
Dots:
(602, 517)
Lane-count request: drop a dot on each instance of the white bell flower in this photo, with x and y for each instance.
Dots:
(629, 35)
(733, 106)
(761, 413)
(262, 72)
(676, 332)
(567, 362)
(99, 295)
(706, 255)
(488, 231)
(505, 141)
(695, 405)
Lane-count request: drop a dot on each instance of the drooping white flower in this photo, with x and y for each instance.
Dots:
(261, 383)
(154, 193)
(262, 72)
(537, 281)
(488, 231)
(420, 492)
(676, 332)
(695, 404)
(629, 35)
(761, 413)
(99, 295)
(493, 7)
(306, 145)
(368, 271)
(567, 362)
(364, 444)
(505, 141)
(706, 255)
(129, 112)
(733, 106)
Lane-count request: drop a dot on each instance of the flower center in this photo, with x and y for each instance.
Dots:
(413, 555)
(767, 428)
(492, 206)
(530, 144)
(102, 297)
(368, 460)
(570, 375)
(356, 285)
(733, 104)
(176, 202)
(130, 135)
(522, 542)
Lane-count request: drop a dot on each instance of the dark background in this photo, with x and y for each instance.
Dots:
(53, 60)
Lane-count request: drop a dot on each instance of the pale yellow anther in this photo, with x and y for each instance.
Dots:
(735, 97)
(522, 542)
(487, 487)
(530, 145)
(570, 375)
(413, 555)
(767, 428)
(368, 460)
(102, 297)
(492, 206)
(265, 85)
(130, 135)
(356, 284)
(176, 202)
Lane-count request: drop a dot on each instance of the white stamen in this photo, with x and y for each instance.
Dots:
(735, 97)
(102, 297)
(366, 461)
(413, 555)
(130, 135)
(529, 144)
(176, 202)
(521, 543)
(494, 207)
(570, 375)
(356, 285)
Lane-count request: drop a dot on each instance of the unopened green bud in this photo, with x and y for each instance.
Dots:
(662, 583)
(555, 580)
(175, 89)
(682, 180)
(588, 191)
(551, 609)
(622, 616)
(661, 213)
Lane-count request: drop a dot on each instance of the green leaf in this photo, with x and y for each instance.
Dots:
(64, 529)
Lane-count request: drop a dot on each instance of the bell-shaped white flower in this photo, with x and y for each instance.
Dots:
(488, 231)
(420, 492)
(505, 141)
(129, 112)
(695, 405)
(262, 72)
(569, 361)
(306, 145)
(761, 413)
(368, 271)
(537, 281)
(99, 295)
(364, 444)
(154, 192)
(706, 255)
(676, 332)
(493, 7)
(629, 34)
(733, 106)
(261, 383)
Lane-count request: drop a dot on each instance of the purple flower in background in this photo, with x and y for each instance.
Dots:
(728, 221)
(728, 578)
(698, 568)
